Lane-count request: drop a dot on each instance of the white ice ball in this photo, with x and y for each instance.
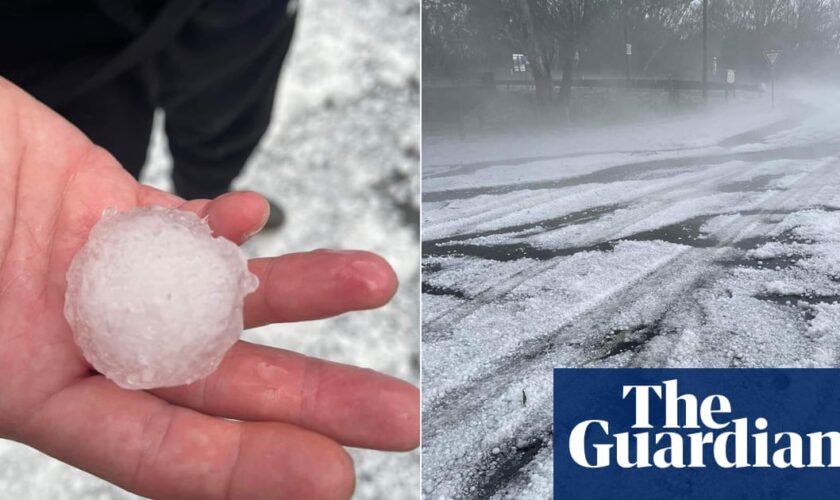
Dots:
(154, 300)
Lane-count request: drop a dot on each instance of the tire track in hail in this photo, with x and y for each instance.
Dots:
(472, 397)
(503, 286)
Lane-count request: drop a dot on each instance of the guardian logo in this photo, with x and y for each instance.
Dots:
(696, 433)
(712, 426)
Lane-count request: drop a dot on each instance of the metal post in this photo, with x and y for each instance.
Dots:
(626, 40)
(705, 52)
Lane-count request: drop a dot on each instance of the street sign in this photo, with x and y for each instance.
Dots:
(629, 49)
(771, 56)
(730, 76)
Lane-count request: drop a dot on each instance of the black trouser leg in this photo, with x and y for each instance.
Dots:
(118, 117)
(217, 90)
(215, 80)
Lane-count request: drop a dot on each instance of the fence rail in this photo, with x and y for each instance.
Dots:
(666, 84)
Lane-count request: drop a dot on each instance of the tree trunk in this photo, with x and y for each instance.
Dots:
(566, 87)
(566, 83)
(542, 83)
(540, 66)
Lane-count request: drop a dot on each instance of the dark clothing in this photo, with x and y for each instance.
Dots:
(106, 65)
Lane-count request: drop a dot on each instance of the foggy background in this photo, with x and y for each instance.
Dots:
(342, 158)
(571, 42)
(586, 205)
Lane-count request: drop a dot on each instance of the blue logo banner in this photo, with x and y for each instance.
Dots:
(696, 433)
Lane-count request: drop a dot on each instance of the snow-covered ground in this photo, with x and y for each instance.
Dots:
(707, 240)
(342, 157)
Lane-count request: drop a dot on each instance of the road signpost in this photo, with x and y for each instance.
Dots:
(628, 51)
(628, 48)
(771, 56)
(730, 83)
(705, 54)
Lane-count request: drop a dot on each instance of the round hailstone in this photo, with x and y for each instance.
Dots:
(154, 300)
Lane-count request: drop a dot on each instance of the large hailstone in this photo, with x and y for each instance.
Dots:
(154, 300)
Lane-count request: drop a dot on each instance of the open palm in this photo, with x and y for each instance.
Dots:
(285, 416)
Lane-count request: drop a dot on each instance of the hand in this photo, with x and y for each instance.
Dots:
(292, 414)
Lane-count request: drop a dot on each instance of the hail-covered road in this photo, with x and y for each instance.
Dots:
(702, 240)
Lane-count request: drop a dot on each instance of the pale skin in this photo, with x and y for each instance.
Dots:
(268, 423)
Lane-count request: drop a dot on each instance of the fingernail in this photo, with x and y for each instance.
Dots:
(266, 214)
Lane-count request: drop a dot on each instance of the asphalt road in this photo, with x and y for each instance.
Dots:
(693, 248)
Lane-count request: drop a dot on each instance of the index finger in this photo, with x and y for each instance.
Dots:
(318, 284)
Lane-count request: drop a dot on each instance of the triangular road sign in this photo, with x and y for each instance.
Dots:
(771, 56)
